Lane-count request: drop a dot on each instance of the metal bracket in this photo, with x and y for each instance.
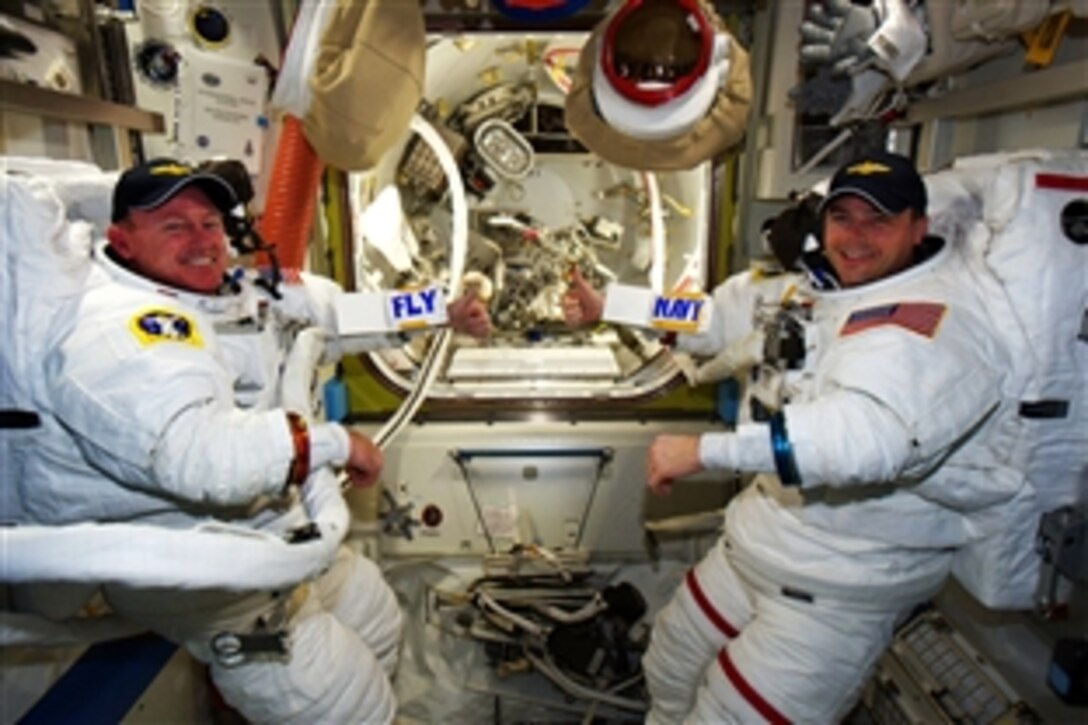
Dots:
(462, 457)
(397, 519)
(1062, 543)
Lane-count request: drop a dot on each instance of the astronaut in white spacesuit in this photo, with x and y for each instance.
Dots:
(885, 428)
(162, 406)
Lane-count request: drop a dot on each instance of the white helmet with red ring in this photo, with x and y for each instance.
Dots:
(660, 66)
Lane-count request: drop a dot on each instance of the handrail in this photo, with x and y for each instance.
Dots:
(25, 98)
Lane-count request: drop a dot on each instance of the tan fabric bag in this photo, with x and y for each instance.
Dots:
(367, 81)
(995, 20)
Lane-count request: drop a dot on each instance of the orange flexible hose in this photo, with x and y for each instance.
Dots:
(292, 196)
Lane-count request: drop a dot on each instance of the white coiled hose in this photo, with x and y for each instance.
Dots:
(657, 233)
(458, 252)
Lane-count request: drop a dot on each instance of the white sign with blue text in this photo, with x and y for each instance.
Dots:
(362, 313)
(688, 312)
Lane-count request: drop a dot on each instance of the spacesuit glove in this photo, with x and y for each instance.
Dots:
(736, 358)
(688, 367)
(671, 457)
(745, 448)
(836, 33)
(901, 40)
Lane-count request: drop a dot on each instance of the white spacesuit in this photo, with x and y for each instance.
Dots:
(157, 407)
(886, 437)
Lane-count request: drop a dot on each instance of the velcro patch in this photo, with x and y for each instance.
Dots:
(154, 325)
(920, 317)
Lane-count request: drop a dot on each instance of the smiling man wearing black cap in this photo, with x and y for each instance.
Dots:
(875, 436)
(885, 435)
(163, 404)
(874, 218)
(168, 224)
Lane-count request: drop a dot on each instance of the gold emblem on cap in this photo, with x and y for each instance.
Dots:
(171, 170)
(866, 168)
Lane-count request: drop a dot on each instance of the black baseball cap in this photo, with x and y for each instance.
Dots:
(153, 183)
(887, 181)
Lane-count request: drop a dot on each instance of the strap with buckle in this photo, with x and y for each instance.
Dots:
(232, 649)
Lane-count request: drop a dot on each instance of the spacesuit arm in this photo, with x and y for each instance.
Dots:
(231, 457)
(733, 361)
(159, 416)
(951, 393)
(339, 347)
(312, 301)
(320, 301)
(207, 452)
(841, 439)
(731, 319)
(219, 457)
(872, 421)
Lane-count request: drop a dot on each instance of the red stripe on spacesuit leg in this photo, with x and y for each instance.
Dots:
(764, 708)
(708, 608)
(1061, 182)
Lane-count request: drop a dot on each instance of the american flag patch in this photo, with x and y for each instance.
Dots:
(920, 317)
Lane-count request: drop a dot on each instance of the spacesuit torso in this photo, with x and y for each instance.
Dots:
(128, 360)
(899, 426)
